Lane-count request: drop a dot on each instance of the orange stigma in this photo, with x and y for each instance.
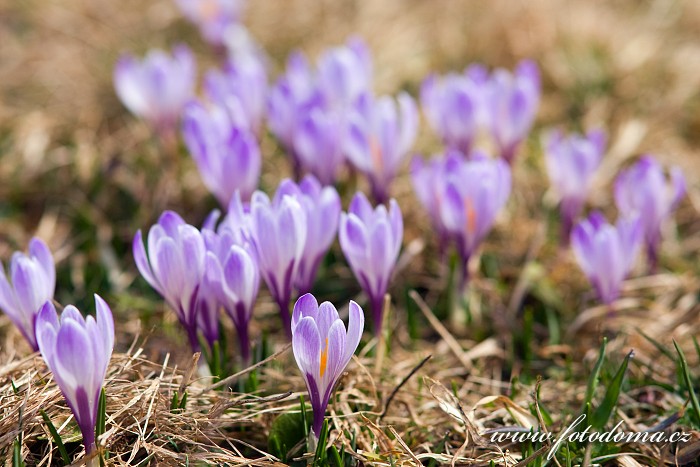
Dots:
(470, 215)
(324, 358)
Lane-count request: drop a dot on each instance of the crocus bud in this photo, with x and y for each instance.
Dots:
(319, 141)
(345, 73)
(323, 348)
(33, 279)
(174, 266)
(379, 137)
(606, 253)
(512, 102)
(156, 88)
(214, 18)
(643, 190)
(227, 156)
(571, 163)
(371, 241)
(77, 350)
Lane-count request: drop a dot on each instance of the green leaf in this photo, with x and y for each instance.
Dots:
(286, 432)
(320, 459)
(17, 454)
(602, 414)
(335, 460)
(594, 378)
(56, 437)
(688, 383)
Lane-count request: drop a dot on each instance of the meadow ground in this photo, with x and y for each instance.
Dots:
(80, 172)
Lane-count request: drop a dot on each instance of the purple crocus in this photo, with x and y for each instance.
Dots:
(323, 348)
(322, 207)
(174, 266)
(345, 73)
(318, 143)
(227, 156)
(474, 193)
(77, 350)
(643, 190)
(512, 102)
(278, 230)
(571, 163)
(606, 253)
(156, 88)
(379, 137)
(214, 18)
(33, 279)
(371, 241)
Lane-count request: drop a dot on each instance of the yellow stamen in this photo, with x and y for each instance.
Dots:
(324, 358)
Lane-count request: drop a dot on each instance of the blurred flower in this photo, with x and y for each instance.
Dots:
(278, 230)
(475, 190)
(77, 350)
(345, 73)
(323, 348)
(227, 156)
(642, 190)
(322, 207)
(33, 282)
(214, 18)
(371, 241)
(241, 87)
(156, 88)
(318, 143)
(174, 266)
(379, 137)
(512, 102)
(571, 163)
(606, 253)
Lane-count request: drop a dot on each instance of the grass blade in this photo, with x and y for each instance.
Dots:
(593, 380)
(688, 383)
(56, 438)
(602, 414)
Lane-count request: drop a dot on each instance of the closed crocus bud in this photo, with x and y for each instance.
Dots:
(643, 190)
(278, 230)
(33, 279)
(512, 102)
(474, 193)
(156, 88)
(227, 156)
(214, 18)
(380, 135)
(241, 85)
(606, 253)
(174, 266)
(318, 143)
(571, 163)
(77, 350)
(323, 348)
(345, 73)
(322, 207)
(452, 105)
(371, 241)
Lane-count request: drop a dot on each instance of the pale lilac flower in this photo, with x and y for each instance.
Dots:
(345, 73)
(214, 18)
(322, 207)
(643, 190)
(227, 156)
(371, 241)
(323, 348)
(319, 143)
(174, 266)
(512, 102)
(278, 230)
(379, 138)
(77, 350)
(157, 87)
(606, 253)
(33, 279)
(474, 193)
(242, 87)
(571, 163)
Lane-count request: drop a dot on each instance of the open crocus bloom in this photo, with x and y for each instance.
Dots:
(77, 351)
(214, 18)
(323, 348)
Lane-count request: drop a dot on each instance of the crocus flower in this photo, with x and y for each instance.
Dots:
(227, 156)
(512, 102)
(322, 207)
(345, 73)
(318, 143)
(474, 193)
(642, 190)
(214, 18)
(156, 88)
(571, 163)
(77, 350)
(606, 253)
(379, 137)
(242, 87)
(371, 241)
(323, 348)
(33, 279)
(278, 230)
(174, 266)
